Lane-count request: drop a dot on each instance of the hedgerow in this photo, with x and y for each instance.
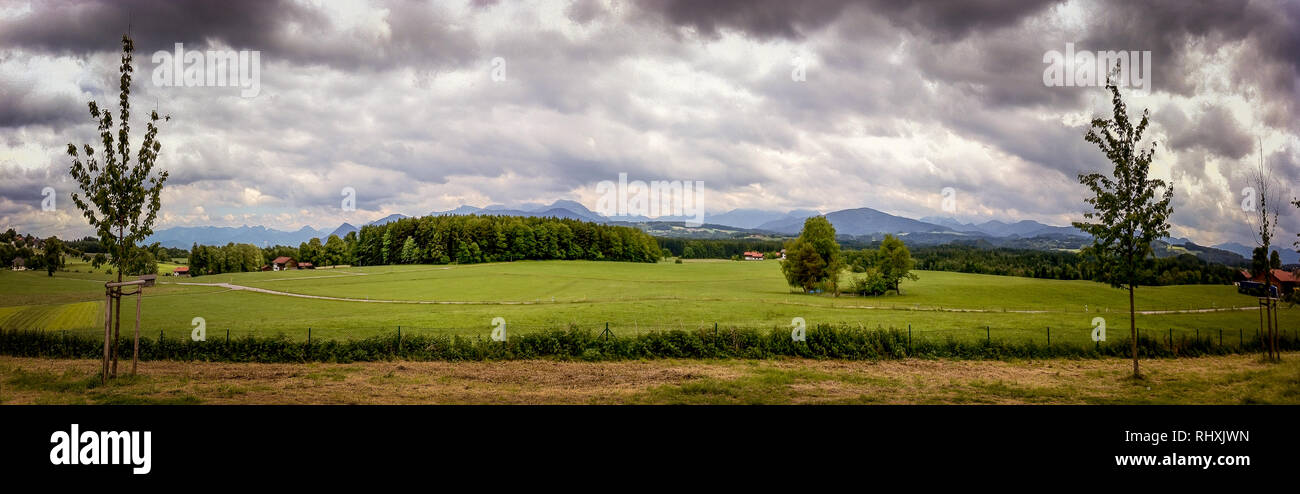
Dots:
(822, 342)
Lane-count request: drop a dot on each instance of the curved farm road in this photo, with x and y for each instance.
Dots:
(231, 286)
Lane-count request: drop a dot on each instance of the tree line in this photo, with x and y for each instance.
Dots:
(719, 248)
(1183, 269)
(468, 239)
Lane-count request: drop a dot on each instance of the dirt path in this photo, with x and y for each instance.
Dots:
(1214, 380)
(232, 286)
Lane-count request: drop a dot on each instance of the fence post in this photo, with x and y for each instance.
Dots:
(988, 336)
(1049, 336)
(1171, 337)
(399, 339)
(1220, 336)
(909, 340)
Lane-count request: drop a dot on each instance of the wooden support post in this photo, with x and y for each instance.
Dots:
(135, 355)
(108, 328)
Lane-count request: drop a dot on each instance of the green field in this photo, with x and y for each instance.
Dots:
(463, 299)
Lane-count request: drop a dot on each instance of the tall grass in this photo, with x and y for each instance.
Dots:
(822, 342)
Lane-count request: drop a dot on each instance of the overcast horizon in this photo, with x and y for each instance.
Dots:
(773, 105)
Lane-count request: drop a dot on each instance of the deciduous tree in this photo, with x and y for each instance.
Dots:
(1130, 209)
(119, 197)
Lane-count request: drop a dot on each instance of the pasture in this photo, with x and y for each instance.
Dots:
(631, 297)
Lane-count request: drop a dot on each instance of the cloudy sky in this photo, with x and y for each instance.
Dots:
(398, 101)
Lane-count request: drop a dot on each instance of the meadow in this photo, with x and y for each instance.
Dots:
(631, 297)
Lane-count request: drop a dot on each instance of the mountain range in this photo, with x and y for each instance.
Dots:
(862, 223)
(1287, 256)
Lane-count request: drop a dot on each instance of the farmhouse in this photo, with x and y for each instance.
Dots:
(19, 264)
(305, 265)
(181, 271)
(282, 263)
(753, 256)
(1278, 278)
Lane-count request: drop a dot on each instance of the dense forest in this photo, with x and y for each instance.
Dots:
(442, 240)
(1184, 269)
(717, 248)
(472, 239)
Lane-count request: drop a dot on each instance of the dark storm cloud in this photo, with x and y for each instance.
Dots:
(1270, 28)
(281, 29)
(950, 21)
(762, 19)
(95, 26)
(25, 185)
(946, 21)
(21, 103)
(1214, 130)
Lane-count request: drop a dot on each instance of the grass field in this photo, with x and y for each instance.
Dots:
(1236, 379)
(463, 299)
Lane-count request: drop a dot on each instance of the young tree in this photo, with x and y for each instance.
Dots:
(896, 263)
(1130, 210)
(1269, 195)
(52, 255)
(119, 199)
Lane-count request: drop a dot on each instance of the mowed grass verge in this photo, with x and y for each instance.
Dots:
(632, 298)
(1237, 379)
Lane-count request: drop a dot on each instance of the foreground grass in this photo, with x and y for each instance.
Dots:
(1239, 379)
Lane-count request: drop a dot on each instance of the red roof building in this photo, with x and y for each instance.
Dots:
(282, 263)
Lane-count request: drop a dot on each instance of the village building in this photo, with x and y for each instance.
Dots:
(1283, 282)
(282, 263)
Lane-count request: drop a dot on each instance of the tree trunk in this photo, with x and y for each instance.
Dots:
(1133, 331)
